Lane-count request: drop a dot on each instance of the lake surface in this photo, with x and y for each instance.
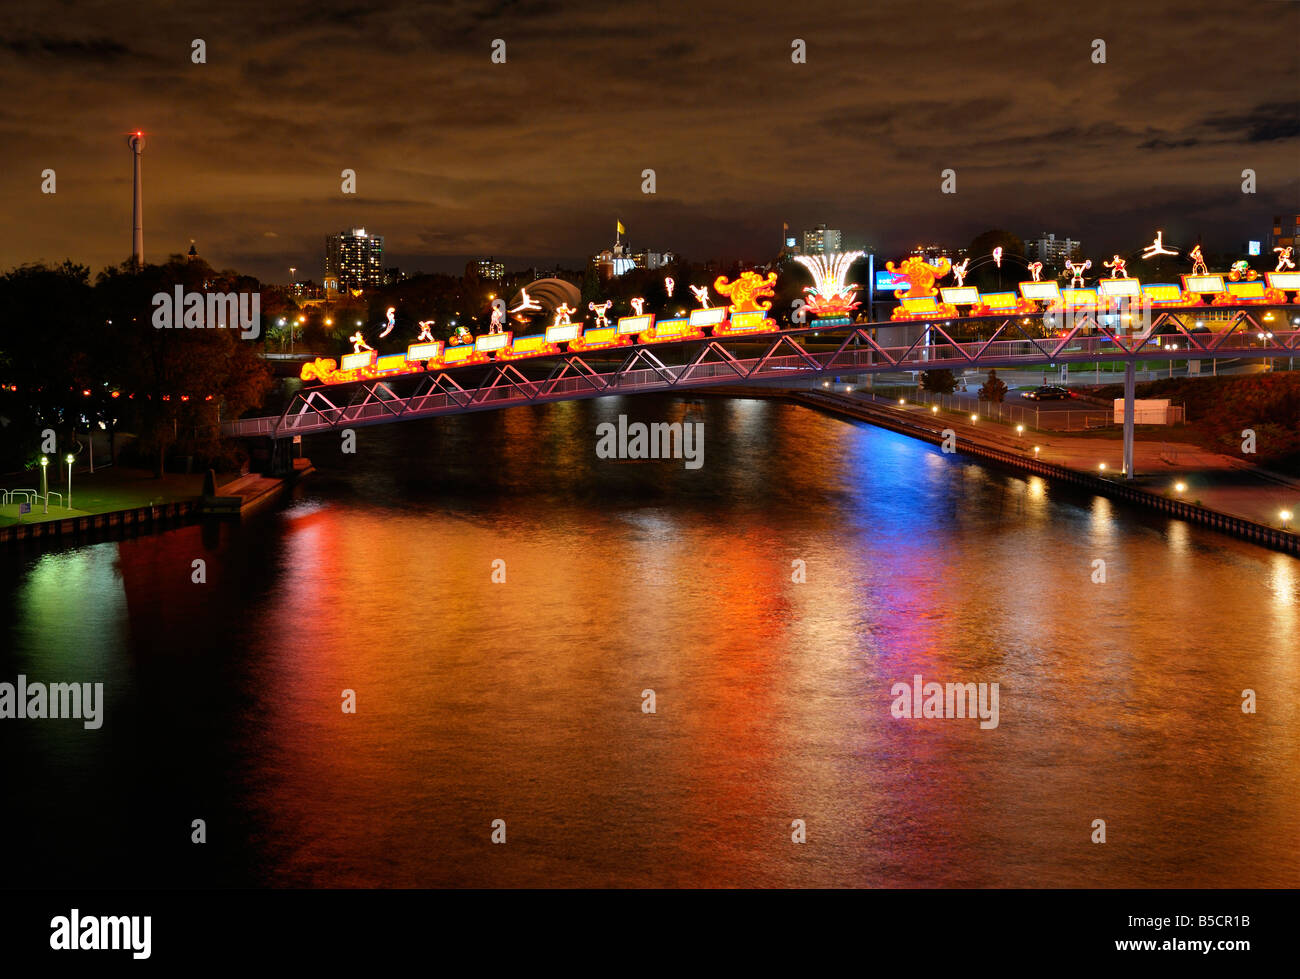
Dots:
(522, 701)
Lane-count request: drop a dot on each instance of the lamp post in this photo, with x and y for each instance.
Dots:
(69, 460)
(1264, 338)
(45, 486)
(1286, 518)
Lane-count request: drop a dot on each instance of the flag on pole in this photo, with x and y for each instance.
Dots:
(621, 229)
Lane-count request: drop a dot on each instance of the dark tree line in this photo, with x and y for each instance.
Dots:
(77, 354)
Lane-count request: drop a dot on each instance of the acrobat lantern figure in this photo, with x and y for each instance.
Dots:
(527, 304)
(1036, 270)
(1118, 268)
(498, 319)
(1076, 272)
(1157, 247)
(426, 331)
(638, 306)
(668, 284)
(702, 294)
(359, 343)
(1198, 261)
(959, 271)
(1284, 258)
(562, 314)
(601, 309)
(391, 322)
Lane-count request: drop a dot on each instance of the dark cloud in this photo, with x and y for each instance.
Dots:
(1265, 123)
(69, 50)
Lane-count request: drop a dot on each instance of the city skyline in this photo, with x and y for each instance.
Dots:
(530, 160)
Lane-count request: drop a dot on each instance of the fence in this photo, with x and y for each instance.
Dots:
(1062, 420)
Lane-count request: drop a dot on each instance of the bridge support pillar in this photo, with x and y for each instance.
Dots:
(1130, 377)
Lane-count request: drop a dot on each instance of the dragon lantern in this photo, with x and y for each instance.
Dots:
(747, 291)
(921, 277)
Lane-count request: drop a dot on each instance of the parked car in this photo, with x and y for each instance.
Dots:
(1048, 392)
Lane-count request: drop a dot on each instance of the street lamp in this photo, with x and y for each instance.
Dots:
(974, 418)
(1263, 339)
(45, 487)
(1020, 430)
(1286, 517)
(1101, 466)
(1036, 450)
(69, 461)
(1180, 488)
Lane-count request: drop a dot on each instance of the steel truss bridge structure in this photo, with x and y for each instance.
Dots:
(779, 356)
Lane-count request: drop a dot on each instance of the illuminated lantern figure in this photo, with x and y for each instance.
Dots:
(319, 370)
(426, 331)
(668, 284)
(829, 296)
(920, 275)
(1076, 272)
(959, 271)
(461, 336)
(997, 256)
(600, 309)
(747, 291)
(638, 306)
(702, 294)
(1284, 258)
(391, 322)
(498, 319)
(1242, 270)
(527, 305)
(359, 343)
(1198, 261)
(1157, 247)
(562, 314)
(1036, 270)
(1118, 268)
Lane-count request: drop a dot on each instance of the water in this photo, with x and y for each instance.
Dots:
(522, 701)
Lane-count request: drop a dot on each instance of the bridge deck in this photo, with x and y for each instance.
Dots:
(713, 361)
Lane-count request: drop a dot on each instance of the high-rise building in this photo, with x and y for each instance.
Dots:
(932, 252)
(1051, 251)
(488, 268)
(822, 240)
(1285, 233)
(355, 259)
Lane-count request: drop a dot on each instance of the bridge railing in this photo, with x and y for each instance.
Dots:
(1006, 350)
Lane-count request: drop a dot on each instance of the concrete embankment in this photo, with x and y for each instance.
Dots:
(994, 446)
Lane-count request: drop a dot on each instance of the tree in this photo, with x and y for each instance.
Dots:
(994, 389)
(938, 381)
(179, 383)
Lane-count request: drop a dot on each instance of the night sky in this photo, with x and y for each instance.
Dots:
(533, 160)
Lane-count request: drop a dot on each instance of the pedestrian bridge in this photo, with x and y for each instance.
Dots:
(782, 356)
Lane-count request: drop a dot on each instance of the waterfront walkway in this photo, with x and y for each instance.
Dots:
(1217, 481)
